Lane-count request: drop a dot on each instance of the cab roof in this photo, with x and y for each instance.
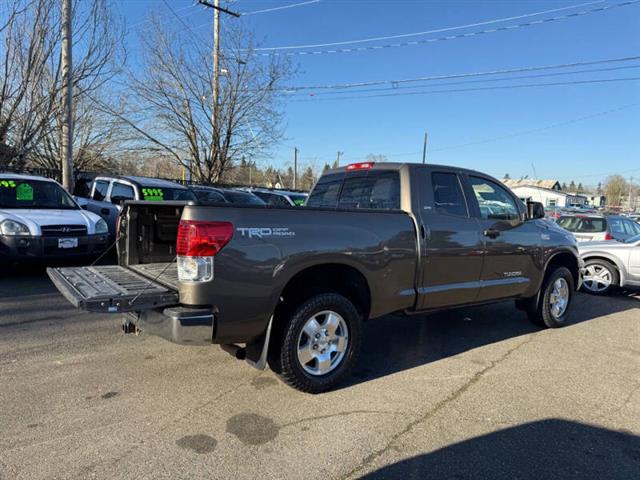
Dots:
(396, 166)
(20, 176)
(146, 181)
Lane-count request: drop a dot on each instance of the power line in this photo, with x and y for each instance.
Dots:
(276, 50)
(268, 10)
(464, 75)
(415, 34)
(465, 82)
(501, 87)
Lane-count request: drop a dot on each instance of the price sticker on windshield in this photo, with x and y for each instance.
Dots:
(153, 194)
(7, 184)
(24, 192)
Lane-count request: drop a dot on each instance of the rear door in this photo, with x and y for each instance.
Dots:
(113, 289)
(511, 244)
(451, 248)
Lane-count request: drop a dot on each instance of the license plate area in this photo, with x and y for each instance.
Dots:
(68, 242)
(111, 289)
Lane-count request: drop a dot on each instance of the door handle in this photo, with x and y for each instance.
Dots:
(491, 233)
(422, 231)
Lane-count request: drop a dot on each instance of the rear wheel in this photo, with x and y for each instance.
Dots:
(600, 277)
(316, 347)
(554, 305)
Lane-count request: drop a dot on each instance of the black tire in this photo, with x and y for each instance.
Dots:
(542, 314)
(613, 272)
(283, 349)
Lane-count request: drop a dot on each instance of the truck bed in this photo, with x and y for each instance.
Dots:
(165, 273)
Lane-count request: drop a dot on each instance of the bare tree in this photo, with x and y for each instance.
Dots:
(173, 105)
(615, 187)
(31, 84)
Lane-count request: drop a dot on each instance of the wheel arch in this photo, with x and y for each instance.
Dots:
(611, 259)
(336, 277)
(563, 258)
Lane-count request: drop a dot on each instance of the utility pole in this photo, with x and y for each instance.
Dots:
(295, 168)
(66, 140)
(630, 192)
(215, 87)
(338, 158)
(424, 148)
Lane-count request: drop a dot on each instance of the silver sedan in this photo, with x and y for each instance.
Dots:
(610, 264)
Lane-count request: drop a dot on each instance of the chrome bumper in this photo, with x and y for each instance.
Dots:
(181, 325)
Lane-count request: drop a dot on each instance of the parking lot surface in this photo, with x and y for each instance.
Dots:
(473, 393)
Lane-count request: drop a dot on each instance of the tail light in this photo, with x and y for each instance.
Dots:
(360, 166)
(198, 242)
(608, 236)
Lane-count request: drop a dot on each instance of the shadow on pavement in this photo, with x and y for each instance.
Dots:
(396, 343)
(546, 449)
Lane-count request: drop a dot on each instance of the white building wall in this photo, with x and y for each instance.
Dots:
(548, 198)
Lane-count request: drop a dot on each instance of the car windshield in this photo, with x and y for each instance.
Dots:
(583, 224)
(164, 194)
(242, 198)
(21, 193)
(634, 239)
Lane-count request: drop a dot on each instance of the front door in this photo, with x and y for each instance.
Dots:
(451, 245)
(511, 243)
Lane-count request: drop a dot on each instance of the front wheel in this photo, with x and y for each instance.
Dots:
(554, 306)
(600, 277)
(318, 344)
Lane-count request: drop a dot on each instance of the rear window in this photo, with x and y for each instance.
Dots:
(373, 189)
(242, 198)
(583, 224)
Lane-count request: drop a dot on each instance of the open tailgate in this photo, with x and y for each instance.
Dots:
(110, 289)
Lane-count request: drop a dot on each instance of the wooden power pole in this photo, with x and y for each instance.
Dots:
(66, 140)
(424, 148)
(215, 87)
(295, 168)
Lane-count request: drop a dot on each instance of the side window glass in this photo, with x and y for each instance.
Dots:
(100, 192)
(615, 225)
(494, 201)
(122, 191)
(448, 198)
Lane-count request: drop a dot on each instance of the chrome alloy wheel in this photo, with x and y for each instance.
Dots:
(559, 298)
(322, 343)
(597, 278)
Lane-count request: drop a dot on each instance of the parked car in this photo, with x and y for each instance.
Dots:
(291, 287)
(609, 265)
(281, 197)
(214, 195)
(40, 221)
(108, 193)
(588, 228)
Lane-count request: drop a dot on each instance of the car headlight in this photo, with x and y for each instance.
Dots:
(102, 227)
(11, 227)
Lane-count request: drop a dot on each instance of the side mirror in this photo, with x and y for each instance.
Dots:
(535, 210)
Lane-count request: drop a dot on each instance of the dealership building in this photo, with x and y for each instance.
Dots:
(547, 192)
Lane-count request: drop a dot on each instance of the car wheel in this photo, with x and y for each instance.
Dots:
(600, 277)
(554, 306)
(317, 345)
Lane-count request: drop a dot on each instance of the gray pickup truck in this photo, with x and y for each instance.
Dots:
(291, 287)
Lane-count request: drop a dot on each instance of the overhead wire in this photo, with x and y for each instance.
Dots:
(500, 87)
(427, 32)
(283, 7)
(463, 75)
(278, 51)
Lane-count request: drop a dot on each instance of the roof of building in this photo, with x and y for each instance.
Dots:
(549, 184)
(551, 190)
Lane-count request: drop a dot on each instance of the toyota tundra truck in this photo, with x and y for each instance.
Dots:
(291, 287)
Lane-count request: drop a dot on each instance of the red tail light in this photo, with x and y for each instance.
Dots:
(202, 239)
(608, 236)
(360, 166)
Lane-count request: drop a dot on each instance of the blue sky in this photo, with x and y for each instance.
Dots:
(564, 144)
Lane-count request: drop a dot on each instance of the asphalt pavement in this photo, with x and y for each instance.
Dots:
(476, 393)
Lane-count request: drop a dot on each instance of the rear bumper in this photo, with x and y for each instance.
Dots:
(181, 325)
(38, 248)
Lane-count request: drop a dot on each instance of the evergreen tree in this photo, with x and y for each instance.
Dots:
(572, 186)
